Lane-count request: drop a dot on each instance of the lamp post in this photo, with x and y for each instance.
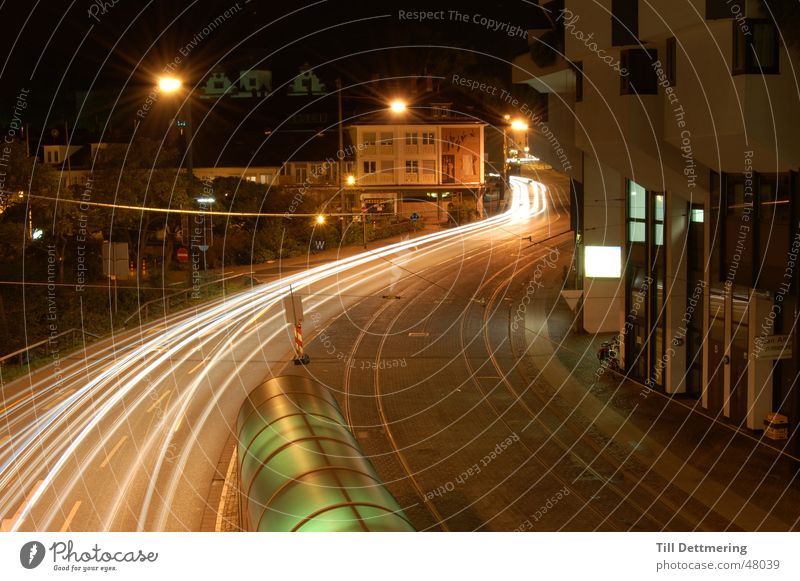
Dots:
(170, 85)
(516, 125)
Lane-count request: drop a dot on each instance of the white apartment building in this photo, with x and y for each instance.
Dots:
(418, 162)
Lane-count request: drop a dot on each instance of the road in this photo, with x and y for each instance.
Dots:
(128, 436)
(451, 357)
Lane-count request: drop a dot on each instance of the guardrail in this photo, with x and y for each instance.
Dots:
(167, 301)
(24, 354)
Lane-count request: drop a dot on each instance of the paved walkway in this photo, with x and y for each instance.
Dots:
(716, 468)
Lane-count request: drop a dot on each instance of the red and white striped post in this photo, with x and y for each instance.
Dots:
(300, 356)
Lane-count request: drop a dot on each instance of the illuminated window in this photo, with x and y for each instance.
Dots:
(637, 212)
(697, 215)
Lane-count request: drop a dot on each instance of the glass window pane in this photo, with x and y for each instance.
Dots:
(659, 208)
(637, 201)
(636, 231)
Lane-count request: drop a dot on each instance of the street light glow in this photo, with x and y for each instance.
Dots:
(351, 180)
(518, 125)
(169, 84)
(398, 106)
(320, 219)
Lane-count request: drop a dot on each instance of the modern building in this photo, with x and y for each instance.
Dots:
(688, 165)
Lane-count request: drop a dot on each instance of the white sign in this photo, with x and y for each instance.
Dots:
(774, 347)
(293, 305)
(603, 261)
(116, 260)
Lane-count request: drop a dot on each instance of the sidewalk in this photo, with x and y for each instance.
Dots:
(723, 475)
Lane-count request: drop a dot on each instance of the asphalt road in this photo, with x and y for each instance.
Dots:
(126, 435)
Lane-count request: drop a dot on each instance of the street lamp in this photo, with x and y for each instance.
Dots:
(171, 85)
(398, 106)
(516, 125)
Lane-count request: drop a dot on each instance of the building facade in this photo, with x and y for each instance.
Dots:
(422, 161)
(678, 127)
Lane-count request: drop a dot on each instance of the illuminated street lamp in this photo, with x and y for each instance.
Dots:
(398, 106)
(517, 125)
(351, 180)
(169, 84)
(320, 219)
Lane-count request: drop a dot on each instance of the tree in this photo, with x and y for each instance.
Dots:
(140, 174)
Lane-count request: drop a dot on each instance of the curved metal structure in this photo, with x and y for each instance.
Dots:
(301, 468)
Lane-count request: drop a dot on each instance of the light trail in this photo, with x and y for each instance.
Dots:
(121, 384)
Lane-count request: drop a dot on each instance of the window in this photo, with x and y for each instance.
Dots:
(428, 167)
(755, 48)
(387, 167)
(300, 174)
(412, 138)
(641, 78)
(718, 9)
(48, 156)
(252, 82)
(697, 215)
(369, 167)
(219, 85)
(387, 138)
(427, 137)
(624, 22)
(369, 138)
(658, 200)
(577, 67)
(637, 212)
(669, 65)
(412, 166)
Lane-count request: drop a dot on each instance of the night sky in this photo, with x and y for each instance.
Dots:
(56, 48)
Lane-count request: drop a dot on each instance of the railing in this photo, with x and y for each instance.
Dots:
(24, 354)
(165, 302)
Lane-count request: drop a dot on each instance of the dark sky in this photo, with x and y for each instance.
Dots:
(54, 48)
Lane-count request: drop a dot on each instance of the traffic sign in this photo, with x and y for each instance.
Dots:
(363, 209)
(183, 254)
(414, 217)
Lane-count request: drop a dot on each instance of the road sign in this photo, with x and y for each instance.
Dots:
(774, 347)
(183, 254)
(293, 305)
(116, 260)
(202, 247)
(414, 217)
(363, 209)
(572, 297)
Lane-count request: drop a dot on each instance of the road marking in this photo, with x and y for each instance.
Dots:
(418, 334)
(113, 451)
(178, 423)
(10, 523)
(158, 401)
(196, 367)
(70, 516)
(225, 486)
(58, 400)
